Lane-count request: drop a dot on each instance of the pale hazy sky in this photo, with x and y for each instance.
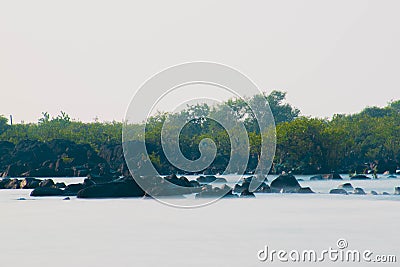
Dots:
(88, 57)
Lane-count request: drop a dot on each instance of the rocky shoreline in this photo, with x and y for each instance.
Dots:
(202, 187)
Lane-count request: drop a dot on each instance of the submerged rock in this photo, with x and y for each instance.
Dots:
(316, 178)
(246, 194)
(46, 192)
(346, 186)
(212, 192)
(305, 190)
(360, 177)
(358, 191)
(338, 191)
(332, 176)
(397, 190)
(210, 179)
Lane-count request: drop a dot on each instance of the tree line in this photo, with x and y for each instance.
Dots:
(368, 140)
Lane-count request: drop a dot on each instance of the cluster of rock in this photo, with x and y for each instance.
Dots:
(109, 186)
(348, 189)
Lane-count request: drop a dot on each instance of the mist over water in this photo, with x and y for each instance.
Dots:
(143, 232)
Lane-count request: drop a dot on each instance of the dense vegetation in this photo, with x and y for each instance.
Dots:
(343, 143)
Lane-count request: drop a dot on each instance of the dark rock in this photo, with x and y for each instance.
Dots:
(392, 176)
(332, 176)
(338, 191)
(359, 191)
(30, 183)
(47, 183)
(182, 181)
(194, 183)
(374, 193)
(73, 189)
(10, 184)
(212, 192)
(263, 188)
(346, 186)
(101, 179)
(210, 179)
(397, 190)
(316, 178)
(46, 192)
(285, 183)
(116, 189)
(60, 185)
(305, 190)
(385, 194)
(360, 177)
(67, 198)
(239, 188)
(246, 194)
(89, 182)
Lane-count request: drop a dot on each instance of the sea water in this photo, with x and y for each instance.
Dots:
(143, 232)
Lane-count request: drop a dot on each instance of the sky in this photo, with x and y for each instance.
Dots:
(88, 58)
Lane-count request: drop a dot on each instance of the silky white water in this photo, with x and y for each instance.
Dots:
(142, 232)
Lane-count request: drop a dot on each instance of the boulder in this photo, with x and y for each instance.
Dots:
(305, 190)
(338, 191)
(73, 189)
(60, 185)
(210, 179)
(346, 186)
(29, 183)
(182, 181)
(120, 188)
(3, 182)
(316, 178)
(10, 184)
(246, 194)
(360, 177)
(47, 183)
(285, 183)
(332, 176)
(263, 188)
(358, 191)
(212, 192)
(100, 179)
(397, 190)
(46, 192)
(374, 193)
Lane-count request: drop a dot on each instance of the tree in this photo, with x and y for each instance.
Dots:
(3, 124)
(283, 112)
